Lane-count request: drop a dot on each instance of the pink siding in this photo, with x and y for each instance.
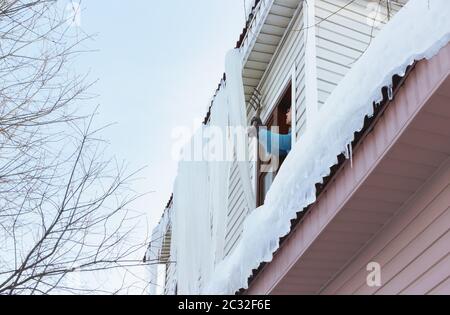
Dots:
(413, 249)
(391, 205)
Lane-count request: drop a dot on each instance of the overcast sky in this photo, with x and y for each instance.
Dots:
(158, 64)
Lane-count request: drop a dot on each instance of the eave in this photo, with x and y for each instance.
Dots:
(265, 33)
(403, 147)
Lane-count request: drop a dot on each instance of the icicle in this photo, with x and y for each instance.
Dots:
(350, 149)
(390, 92)
(348, 153)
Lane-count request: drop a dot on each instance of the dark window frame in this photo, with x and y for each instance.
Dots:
(277, 117)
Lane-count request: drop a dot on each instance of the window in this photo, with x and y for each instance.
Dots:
(268, 165)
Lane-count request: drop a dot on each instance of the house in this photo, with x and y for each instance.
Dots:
(361, 204)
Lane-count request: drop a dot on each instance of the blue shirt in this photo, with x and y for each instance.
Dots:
(274, 143)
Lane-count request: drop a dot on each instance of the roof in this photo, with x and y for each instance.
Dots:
(247, 24)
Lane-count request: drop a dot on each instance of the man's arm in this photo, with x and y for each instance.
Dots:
(275, 143)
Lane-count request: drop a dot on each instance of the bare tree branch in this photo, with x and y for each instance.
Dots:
(65, 207)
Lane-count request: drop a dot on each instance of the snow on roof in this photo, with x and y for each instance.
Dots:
(238, 45)
(247, 24)
(418, 31)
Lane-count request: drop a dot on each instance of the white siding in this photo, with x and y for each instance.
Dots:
(300, 96)
(170, 281)
(291, 54)
(237, 212)
(342, 36)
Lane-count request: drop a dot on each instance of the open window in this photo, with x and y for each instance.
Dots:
(268, 165)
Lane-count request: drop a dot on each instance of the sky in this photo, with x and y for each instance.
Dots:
(158, 64)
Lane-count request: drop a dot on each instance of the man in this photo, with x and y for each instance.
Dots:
(274, 143)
